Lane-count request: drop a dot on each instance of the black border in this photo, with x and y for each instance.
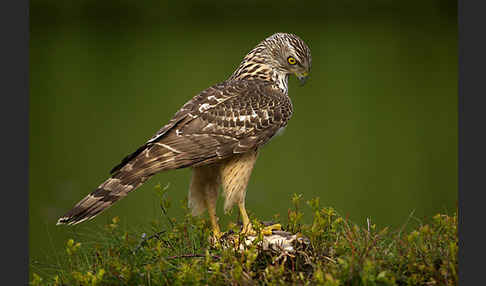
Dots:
(472, 143)
(14, 22)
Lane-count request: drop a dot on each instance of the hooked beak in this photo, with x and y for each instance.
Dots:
(302, 77)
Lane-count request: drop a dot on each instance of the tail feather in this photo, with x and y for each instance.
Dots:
(109, 192)
(172, 153)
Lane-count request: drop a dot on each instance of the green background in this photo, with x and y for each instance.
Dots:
(374, 133)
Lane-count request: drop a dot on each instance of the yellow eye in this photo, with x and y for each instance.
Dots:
(292, 60)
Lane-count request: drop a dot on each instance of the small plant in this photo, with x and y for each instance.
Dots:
(178, 252)
(72, 247)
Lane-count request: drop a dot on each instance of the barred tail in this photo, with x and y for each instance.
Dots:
(102, 198)
(172, 153)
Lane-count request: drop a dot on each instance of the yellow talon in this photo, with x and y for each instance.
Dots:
(268, 229)
(248, 230)
(247, 227)
(215, 238)
(217, 234)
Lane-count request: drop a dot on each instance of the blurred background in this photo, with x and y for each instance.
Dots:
(374, 133)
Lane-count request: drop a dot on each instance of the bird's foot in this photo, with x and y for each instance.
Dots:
(215, 238)
(217, 234)
(247, 230)
(267, 230)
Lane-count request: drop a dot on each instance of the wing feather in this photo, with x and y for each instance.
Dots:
(226, 119)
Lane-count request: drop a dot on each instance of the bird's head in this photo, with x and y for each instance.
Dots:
(275, 58)
(287, 53)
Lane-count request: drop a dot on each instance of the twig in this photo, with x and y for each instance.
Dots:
(329, 258)
(166, 216)
(148, 238)
(400, 232)
(191, 256)
(406, 223)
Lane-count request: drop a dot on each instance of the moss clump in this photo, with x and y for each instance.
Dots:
(340, 253)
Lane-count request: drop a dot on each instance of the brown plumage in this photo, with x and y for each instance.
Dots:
(217, 133)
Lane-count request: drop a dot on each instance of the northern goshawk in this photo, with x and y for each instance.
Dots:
(218, 133)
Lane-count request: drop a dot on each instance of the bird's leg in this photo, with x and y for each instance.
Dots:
(235, 174)
(210, 199)
(247, 228)
(213, 219)
(203, 194)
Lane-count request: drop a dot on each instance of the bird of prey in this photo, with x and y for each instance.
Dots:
(218, 133)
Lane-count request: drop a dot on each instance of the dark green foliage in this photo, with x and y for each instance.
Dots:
(177, 252)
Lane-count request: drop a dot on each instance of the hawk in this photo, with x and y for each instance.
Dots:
(218, 133)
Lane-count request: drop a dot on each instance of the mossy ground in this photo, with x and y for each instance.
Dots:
(177, 252)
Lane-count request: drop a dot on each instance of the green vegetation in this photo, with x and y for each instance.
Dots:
(177, 252)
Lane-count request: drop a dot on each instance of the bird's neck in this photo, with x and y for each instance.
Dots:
(281, 81)
(255, 66)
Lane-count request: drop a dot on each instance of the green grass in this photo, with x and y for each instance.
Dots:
(177, 252)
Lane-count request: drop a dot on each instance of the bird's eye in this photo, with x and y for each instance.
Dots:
(292, 60)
